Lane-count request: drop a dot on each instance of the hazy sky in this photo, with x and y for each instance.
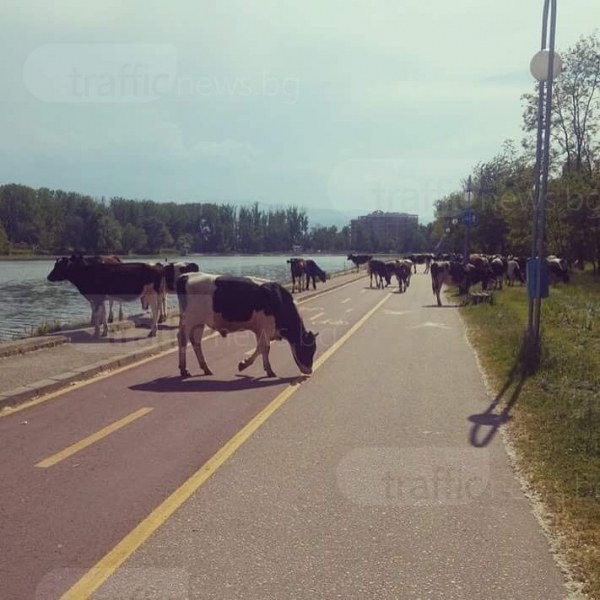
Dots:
(332, 105)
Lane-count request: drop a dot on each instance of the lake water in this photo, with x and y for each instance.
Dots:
(28, 300)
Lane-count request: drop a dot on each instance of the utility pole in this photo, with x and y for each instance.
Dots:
(545, 65)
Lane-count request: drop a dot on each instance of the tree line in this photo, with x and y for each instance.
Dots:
(503, 186)
(57, 222)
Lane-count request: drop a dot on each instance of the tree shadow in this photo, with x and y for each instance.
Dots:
(486, 424)
(201, 383)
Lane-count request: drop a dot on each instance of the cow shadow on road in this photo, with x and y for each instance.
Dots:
(486, 424)
(205, 383)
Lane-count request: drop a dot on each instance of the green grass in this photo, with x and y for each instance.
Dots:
(555, 424)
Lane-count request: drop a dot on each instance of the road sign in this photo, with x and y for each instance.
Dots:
(469, 218)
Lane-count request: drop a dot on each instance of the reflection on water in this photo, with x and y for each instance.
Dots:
(28, 300)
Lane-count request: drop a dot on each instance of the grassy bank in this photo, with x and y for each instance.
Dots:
(554, 415)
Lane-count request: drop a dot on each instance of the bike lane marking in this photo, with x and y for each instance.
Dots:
(107, 565)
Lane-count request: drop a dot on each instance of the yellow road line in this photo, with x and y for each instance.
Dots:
(91, 439)
(107, 565)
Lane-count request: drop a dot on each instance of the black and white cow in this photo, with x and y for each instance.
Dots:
(514, 272)
(297, 271)
(499, 268)
(228, 304)
(447, 273)
(380, 271)
(558, 269)
(91, 260)
(123, 281)
(402, 269)
(462, 276)
(171, 272)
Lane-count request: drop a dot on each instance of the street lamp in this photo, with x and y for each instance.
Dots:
(545, 65)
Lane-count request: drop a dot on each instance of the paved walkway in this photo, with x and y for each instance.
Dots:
(362, 485)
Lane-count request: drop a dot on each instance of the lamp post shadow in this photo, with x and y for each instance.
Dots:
(485, 425)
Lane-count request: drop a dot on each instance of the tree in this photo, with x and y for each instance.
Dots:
(575, 108)
(4, 243)
(133, 239)
(157, 234)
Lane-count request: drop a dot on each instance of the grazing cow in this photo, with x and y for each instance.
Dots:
(379, 270)
(123, 281)
(558, 268)
(359, 259)
(402, 269)
(227, 304)
(171, 272)
(297, 270)
(313, 271)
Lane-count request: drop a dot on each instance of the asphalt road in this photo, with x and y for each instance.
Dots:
(358, 482)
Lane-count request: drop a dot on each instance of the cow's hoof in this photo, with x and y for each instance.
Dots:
(207, 371)
(271, 374)
(242, 365)
(184, 373)
(152, 333)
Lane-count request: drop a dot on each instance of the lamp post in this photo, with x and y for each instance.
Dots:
(545, 65)
(468, 220)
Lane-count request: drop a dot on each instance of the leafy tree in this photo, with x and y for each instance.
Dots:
(133, 239)
(575, 108)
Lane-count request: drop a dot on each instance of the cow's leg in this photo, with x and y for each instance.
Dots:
(196, 340)
(153, 302)
(93, 317)
(110, 311)
(436, 291)
(120, 311)
(182, 339)
(100, 318)
(263, 346)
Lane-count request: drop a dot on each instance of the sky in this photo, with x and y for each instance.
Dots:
(336, 107)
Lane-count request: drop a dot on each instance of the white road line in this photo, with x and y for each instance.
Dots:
(348, 310)
(314, 317)
(346, 300)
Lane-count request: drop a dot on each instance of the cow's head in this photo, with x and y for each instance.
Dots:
(304, 351)
(61, 269)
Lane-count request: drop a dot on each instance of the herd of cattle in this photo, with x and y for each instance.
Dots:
(223, 303)
(450, 269)
(228, 304)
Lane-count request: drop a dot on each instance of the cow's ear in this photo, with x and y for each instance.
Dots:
(316, 335)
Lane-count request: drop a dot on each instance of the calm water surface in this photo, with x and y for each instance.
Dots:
(28, 300)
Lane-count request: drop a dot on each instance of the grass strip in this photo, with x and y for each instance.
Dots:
(554, 420)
